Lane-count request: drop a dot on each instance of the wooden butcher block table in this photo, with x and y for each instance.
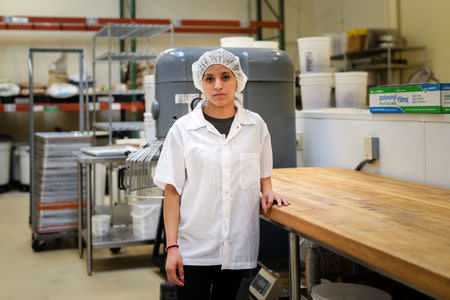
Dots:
(399, 227)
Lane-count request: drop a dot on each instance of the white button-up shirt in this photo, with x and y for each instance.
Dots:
(218, 179)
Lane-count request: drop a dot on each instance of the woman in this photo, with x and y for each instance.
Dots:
(215, 162)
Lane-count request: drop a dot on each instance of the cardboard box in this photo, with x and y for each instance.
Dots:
(445, 98)
(410, 98)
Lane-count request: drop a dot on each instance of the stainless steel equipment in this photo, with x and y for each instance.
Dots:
(269, 92)
(138, 173)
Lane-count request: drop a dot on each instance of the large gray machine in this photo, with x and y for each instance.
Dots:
(269, 92)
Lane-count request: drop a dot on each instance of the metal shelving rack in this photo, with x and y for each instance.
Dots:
(389, 66)
(123, 32)
(38, 238)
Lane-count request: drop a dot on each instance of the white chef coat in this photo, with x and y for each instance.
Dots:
(218, 179)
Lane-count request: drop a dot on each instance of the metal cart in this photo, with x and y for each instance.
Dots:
(118, 236)
(39, 238)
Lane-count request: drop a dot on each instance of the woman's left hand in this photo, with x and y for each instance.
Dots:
(269, 198)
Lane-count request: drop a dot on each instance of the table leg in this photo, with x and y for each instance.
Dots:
(89, 217)
(294, 267)
(80, 209)
(312, 269)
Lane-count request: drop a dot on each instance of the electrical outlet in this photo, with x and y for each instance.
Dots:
(299, 137)
(371, 147)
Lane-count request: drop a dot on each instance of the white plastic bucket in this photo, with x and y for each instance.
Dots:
(149, 91)
(100, 225)
(347, 291)
(5, 159)
(145, 214)
(351, 89)
(266, 44)
(316, 90)
(237, 41)
(24, 162)
(314, 53)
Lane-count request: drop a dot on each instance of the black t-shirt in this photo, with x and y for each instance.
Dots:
(222, 125)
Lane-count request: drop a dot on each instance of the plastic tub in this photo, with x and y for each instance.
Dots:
(237, 41)
(5, 159)
(314, 53)
(347, 291)
(316, 90)
(145, 214)
(100, 225)
(351, 89)
(266, 44)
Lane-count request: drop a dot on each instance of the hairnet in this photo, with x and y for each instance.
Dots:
(218, 57)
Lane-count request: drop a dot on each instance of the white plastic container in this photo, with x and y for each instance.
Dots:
(100, 225)
(351, 89)
(5, 159)
(316, 90)
(145, 214)
(24, 162)
(347, 291)
(149, 127)
(266, 44)
(149, 91)
(237, 41)
(314, 53)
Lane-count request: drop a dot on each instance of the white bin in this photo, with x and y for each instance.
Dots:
(100, 225)
(237, 41)
(316, 90)
(145, 214)
(351, 89)
(24, 162)
(266, 44)
(314, 54)
(347, 291)
(5, 159)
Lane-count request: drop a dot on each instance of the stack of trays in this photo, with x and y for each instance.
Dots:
(56, 180)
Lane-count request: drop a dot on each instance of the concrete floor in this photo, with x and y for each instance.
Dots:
(59, 273)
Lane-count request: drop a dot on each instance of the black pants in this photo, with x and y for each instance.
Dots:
(210, 283)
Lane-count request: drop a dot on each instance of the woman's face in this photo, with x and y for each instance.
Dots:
(219, 85)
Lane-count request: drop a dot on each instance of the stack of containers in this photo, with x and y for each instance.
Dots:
(315, 78)
(55, 203)
(149, 121)
(351, 89)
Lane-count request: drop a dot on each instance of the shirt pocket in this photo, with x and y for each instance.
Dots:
(249, 170)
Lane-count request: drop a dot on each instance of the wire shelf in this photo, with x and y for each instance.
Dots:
(120, 126)
(131, 31)
(128, 56)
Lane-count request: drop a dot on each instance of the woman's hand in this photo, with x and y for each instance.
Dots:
(268, 199)
(174, 266)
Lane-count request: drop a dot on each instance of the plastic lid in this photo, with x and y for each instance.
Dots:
(315, 76)
(5, 138)
(351, 74)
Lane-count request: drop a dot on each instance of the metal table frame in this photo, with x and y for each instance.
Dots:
(120, 236)
(294, 262)
(81, 86)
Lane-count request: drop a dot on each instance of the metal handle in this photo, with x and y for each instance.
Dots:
(120, 177)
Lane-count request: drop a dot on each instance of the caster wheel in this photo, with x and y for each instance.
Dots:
(38, 245)
(114, 250)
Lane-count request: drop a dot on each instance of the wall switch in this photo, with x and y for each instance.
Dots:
(371, 147)
(299, 137)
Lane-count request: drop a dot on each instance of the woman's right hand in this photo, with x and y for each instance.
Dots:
(174, 266)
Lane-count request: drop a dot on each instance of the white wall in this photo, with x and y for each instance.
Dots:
(412, 147)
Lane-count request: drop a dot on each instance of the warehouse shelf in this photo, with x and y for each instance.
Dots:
(128, 56)
(120, 126)
(95, 24)
(131, 31)
(49, 107)
(371, 52)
